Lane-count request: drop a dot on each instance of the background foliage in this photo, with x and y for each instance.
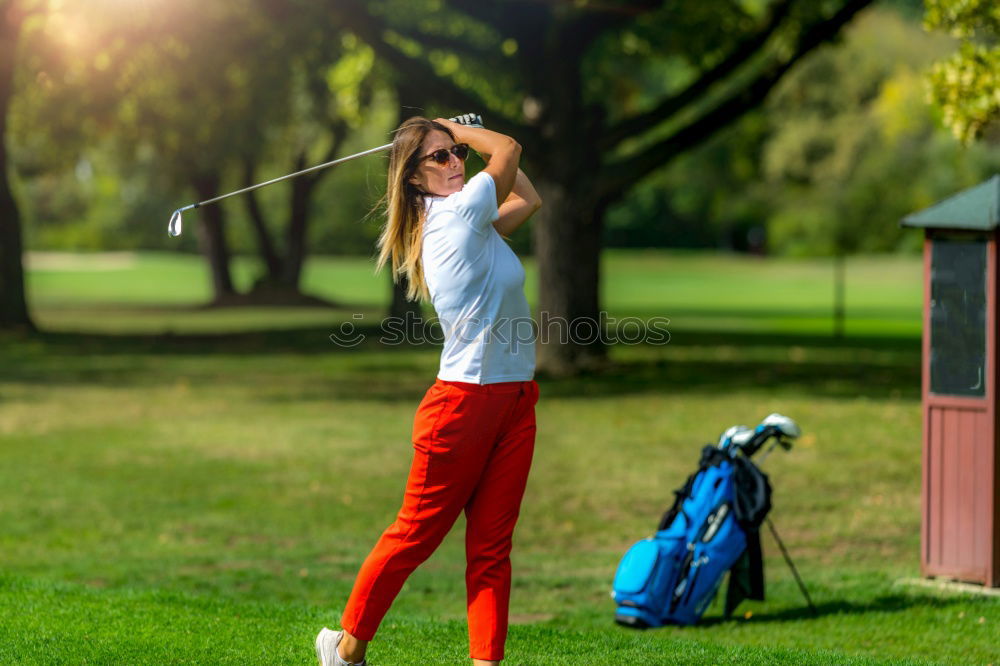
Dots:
(843, 149)
(967, 84)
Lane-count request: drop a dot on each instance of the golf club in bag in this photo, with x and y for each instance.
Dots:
(175, 226)
(712, 527)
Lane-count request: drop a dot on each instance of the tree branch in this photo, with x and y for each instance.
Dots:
(586, 26)
(629, 9)
(526, 24)
(460, 47)
(507, 22)
(622, 174)
(265, 244)
(665, 109)
(338, 129)
(354, 16)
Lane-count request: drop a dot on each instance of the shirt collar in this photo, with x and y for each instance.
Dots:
(429, 199)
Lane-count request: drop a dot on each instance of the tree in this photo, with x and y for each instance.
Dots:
(967, 85)
(202, 98)
(13, 304)
(180, 96)
(333, 86)
(222, 96)
(568, 80)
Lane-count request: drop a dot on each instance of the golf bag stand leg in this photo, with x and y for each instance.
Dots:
(791, 565)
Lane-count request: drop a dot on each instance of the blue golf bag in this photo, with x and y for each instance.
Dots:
(712, 527)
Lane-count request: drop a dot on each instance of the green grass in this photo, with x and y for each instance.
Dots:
(153, 626)
(119, 292)
(206, 498)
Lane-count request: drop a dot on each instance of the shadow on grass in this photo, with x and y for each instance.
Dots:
(693, 361)
(678, 315)
(891, 603)
(678, 376)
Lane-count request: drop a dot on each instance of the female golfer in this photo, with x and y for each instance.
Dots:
(474, 431)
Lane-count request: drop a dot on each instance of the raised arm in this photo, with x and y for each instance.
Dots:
(521, 204)
(501, 153)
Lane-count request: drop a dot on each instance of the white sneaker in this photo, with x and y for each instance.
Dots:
(326, 649)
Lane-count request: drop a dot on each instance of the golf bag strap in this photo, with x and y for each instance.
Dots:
(679, 496)
(710, 456)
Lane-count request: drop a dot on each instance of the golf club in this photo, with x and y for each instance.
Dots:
(175, 226)
(736, 436)
(781, 428)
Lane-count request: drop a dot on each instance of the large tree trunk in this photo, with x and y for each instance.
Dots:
(13, 305)
(212, 233)
(567, 234)
(567, 239)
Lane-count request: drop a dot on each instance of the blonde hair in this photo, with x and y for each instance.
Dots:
(401, 240)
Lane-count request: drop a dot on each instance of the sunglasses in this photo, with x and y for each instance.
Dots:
(443, 155)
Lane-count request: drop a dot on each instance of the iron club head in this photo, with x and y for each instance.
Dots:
(174, 228)
(736, 436)
(786, 426)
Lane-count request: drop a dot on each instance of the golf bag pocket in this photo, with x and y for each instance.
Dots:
(643, 580)
(712, 551)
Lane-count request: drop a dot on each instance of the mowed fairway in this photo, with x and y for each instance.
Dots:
(184, 485)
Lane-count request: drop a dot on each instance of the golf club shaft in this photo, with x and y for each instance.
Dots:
(291, 175)
(176, 221)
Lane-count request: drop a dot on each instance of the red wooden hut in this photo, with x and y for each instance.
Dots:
(960, 530)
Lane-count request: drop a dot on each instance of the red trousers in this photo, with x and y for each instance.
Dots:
(472, 451)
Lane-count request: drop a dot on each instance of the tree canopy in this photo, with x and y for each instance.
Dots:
(967, 84)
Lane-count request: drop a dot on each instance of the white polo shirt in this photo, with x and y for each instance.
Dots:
(476, 283)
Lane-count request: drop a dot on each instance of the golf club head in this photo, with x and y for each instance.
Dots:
(174, 228)
(737, 435)
(784, 425)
